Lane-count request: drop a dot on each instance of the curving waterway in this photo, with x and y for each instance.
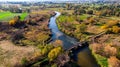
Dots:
(83, 56)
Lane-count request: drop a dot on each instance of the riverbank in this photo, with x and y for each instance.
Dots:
(82, 54)
(28, 37)
(101, 60)
(34, 32)
(93, 30)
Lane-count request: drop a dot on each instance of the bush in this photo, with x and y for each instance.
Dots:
(104, 26)
(54, 53)
(28, 42)
(98, 48)
(39, 38)
(112, 23)
(24, 61)
(115, 29)
(54, 65)
(16, 36)
(110, 51)
(57, 43)
(91, 20)
(113, 62)
(12, 22)
(46, 49)
(80, 28)
(90, 12)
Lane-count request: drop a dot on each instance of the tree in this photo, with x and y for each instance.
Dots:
(90, 12)
(14, 21)
(79, 11)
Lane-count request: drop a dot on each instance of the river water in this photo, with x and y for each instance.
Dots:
(83, 56)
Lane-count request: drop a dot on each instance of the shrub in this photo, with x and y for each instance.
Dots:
(12, 22)
(115, 29)
(27, 42)
(54, 65)
(112, 23)
(90, 12)
(118, 52)
(17, 35)
(103, 13)
(80, 28)
(54, 53)
(113, 62)
(98, 48)
(57, 43)
(46, 49)
(15, 20)
(104, 26)
(110, 51)
(91, 20)
(24, 61)
(39, 38)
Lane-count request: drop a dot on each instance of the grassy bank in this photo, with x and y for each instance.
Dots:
(101, 60)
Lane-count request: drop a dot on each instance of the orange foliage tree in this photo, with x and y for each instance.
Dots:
(15, 20)
(115, 29)
(110, 51)
(113, 62)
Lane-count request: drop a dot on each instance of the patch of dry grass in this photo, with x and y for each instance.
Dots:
(11, 54)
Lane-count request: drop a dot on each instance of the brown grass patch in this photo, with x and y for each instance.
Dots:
(11, 54)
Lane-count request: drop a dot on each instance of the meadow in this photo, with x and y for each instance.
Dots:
(7, 16)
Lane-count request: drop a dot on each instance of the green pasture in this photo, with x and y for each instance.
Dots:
(7, 16)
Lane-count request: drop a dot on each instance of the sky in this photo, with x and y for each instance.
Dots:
(25, 0)
(37, 0)
(55, 0)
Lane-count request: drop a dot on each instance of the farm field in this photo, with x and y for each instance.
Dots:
(7, 16)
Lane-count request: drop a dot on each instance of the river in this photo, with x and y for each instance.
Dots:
(83, 56)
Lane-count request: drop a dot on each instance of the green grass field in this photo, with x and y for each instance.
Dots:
(6, 16)
(23, 15)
